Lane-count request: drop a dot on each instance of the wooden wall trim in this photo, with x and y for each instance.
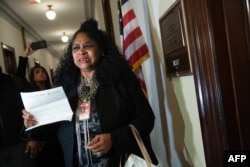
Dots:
(200, 37)
(108, 18)
(236, 115)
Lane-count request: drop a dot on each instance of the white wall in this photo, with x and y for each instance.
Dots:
(11, 35)
(184, 141)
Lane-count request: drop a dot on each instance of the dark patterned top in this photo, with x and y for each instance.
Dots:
(88, 129)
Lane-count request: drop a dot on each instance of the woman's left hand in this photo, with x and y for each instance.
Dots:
(100, 144)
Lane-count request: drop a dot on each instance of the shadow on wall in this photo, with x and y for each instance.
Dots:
(178, 128)
(173, 131)
(177, 134)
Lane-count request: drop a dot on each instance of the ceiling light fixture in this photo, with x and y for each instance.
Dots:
(64, 38)
(34, 1)
(51, 14)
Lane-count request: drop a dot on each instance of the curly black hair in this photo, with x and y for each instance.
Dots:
(112, 68)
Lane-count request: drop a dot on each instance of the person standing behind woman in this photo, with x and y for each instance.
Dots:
(105, 97)
(39, 80)
(14, 150)
(38, 76)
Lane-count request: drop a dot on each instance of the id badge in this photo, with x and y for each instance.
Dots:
(84, 110)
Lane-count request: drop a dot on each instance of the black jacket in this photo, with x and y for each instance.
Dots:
(21, 72)
(117, 105)
(11, 121)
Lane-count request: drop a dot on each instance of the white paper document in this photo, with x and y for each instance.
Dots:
(47, 106)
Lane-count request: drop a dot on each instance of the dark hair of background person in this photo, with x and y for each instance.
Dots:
(31, 77)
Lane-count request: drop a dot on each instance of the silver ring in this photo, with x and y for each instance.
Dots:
(98, 154)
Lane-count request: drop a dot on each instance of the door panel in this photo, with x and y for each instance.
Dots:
(218, 36)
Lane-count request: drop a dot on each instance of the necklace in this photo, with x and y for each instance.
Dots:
(86, 93)
(87, 81)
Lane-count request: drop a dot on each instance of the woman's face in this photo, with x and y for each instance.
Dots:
(86, 52)
(39, 75)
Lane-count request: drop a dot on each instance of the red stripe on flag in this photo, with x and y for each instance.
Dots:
(131, 37)
(134, 46)
(139, 56)
(126, 18)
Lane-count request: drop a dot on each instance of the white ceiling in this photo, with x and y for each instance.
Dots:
(70, 14)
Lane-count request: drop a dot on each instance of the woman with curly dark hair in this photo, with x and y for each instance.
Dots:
(105, 97)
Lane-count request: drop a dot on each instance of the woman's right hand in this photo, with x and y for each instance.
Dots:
(28, 119)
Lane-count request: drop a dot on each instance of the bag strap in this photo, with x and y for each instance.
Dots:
(141, 145)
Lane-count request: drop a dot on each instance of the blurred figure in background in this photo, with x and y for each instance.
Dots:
(51, 155)
(38, 75)
(14, 151)
(39, 78)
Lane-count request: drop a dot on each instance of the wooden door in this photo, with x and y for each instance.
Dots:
(9, 59)
(218, 37)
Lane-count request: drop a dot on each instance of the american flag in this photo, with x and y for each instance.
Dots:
(133, 43)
